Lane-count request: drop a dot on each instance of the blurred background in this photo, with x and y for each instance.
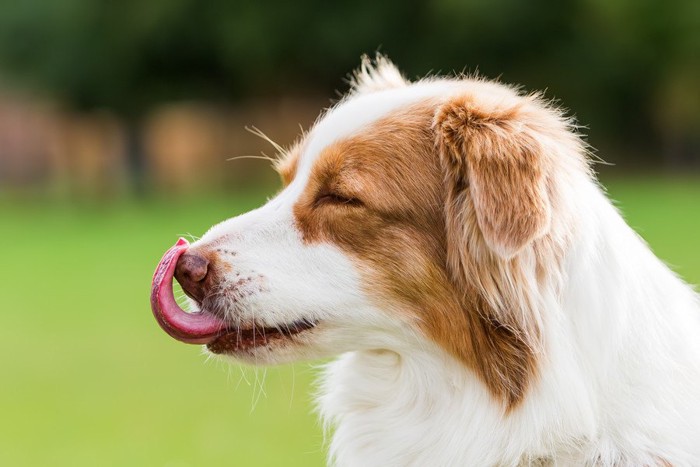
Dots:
(116, 123)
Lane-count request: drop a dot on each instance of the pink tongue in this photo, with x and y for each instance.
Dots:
(193, 328)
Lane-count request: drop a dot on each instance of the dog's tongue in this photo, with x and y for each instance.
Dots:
(193, 328)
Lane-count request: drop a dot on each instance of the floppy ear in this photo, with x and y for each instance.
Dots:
(493, 158)
(496, 205)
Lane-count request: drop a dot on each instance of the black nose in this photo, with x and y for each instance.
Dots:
(191, 271)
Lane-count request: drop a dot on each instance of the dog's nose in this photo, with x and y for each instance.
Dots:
(191, 271)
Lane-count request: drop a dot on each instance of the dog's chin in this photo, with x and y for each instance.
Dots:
(266, 345)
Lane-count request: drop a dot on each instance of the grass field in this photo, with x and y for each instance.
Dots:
(89, 379)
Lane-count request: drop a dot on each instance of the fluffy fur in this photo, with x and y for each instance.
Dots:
(488, 303)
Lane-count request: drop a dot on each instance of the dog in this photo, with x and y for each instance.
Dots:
(448, 241)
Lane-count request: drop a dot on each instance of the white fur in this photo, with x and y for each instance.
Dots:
(620, 374)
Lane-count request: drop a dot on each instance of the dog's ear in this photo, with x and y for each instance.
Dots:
(493, 159)
(497, 203)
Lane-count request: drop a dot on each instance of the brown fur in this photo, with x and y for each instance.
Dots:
(287, 163)
(435, 196)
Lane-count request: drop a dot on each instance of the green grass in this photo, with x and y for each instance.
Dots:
(89, 379)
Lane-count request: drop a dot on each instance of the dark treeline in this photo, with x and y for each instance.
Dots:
(629, 69)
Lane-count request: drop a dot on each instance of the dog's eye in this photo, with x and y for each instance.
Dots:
(334, 198)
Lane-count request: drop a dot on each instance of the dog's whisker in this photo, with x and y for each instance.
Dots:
(193, 238)
(291, 393)
(250, 156)
(257, 132)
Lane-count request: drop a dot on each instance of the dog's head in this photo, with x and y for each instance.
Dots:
(419, 215)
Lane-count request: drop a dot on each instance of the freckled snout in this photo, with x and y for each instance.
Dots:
(191, 272)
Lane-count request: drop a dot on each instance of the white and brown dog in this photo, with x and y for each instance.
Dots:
(489, 305)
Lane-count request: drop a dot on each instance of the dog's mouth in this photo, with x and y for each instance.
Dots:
(203, 327)
(256, 336)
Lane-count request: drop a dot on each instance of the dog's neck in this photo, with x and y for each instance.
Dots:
(428, 409)
(383, 405)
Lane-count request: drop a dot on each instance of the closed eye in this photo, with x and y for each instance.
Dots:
(334, 198)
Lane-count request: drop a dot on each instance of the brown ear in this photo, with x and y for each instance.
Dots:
(496, 205)
(490, 154)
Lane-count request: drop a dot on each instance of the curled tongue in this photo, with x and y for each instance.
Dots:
(193, 328)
